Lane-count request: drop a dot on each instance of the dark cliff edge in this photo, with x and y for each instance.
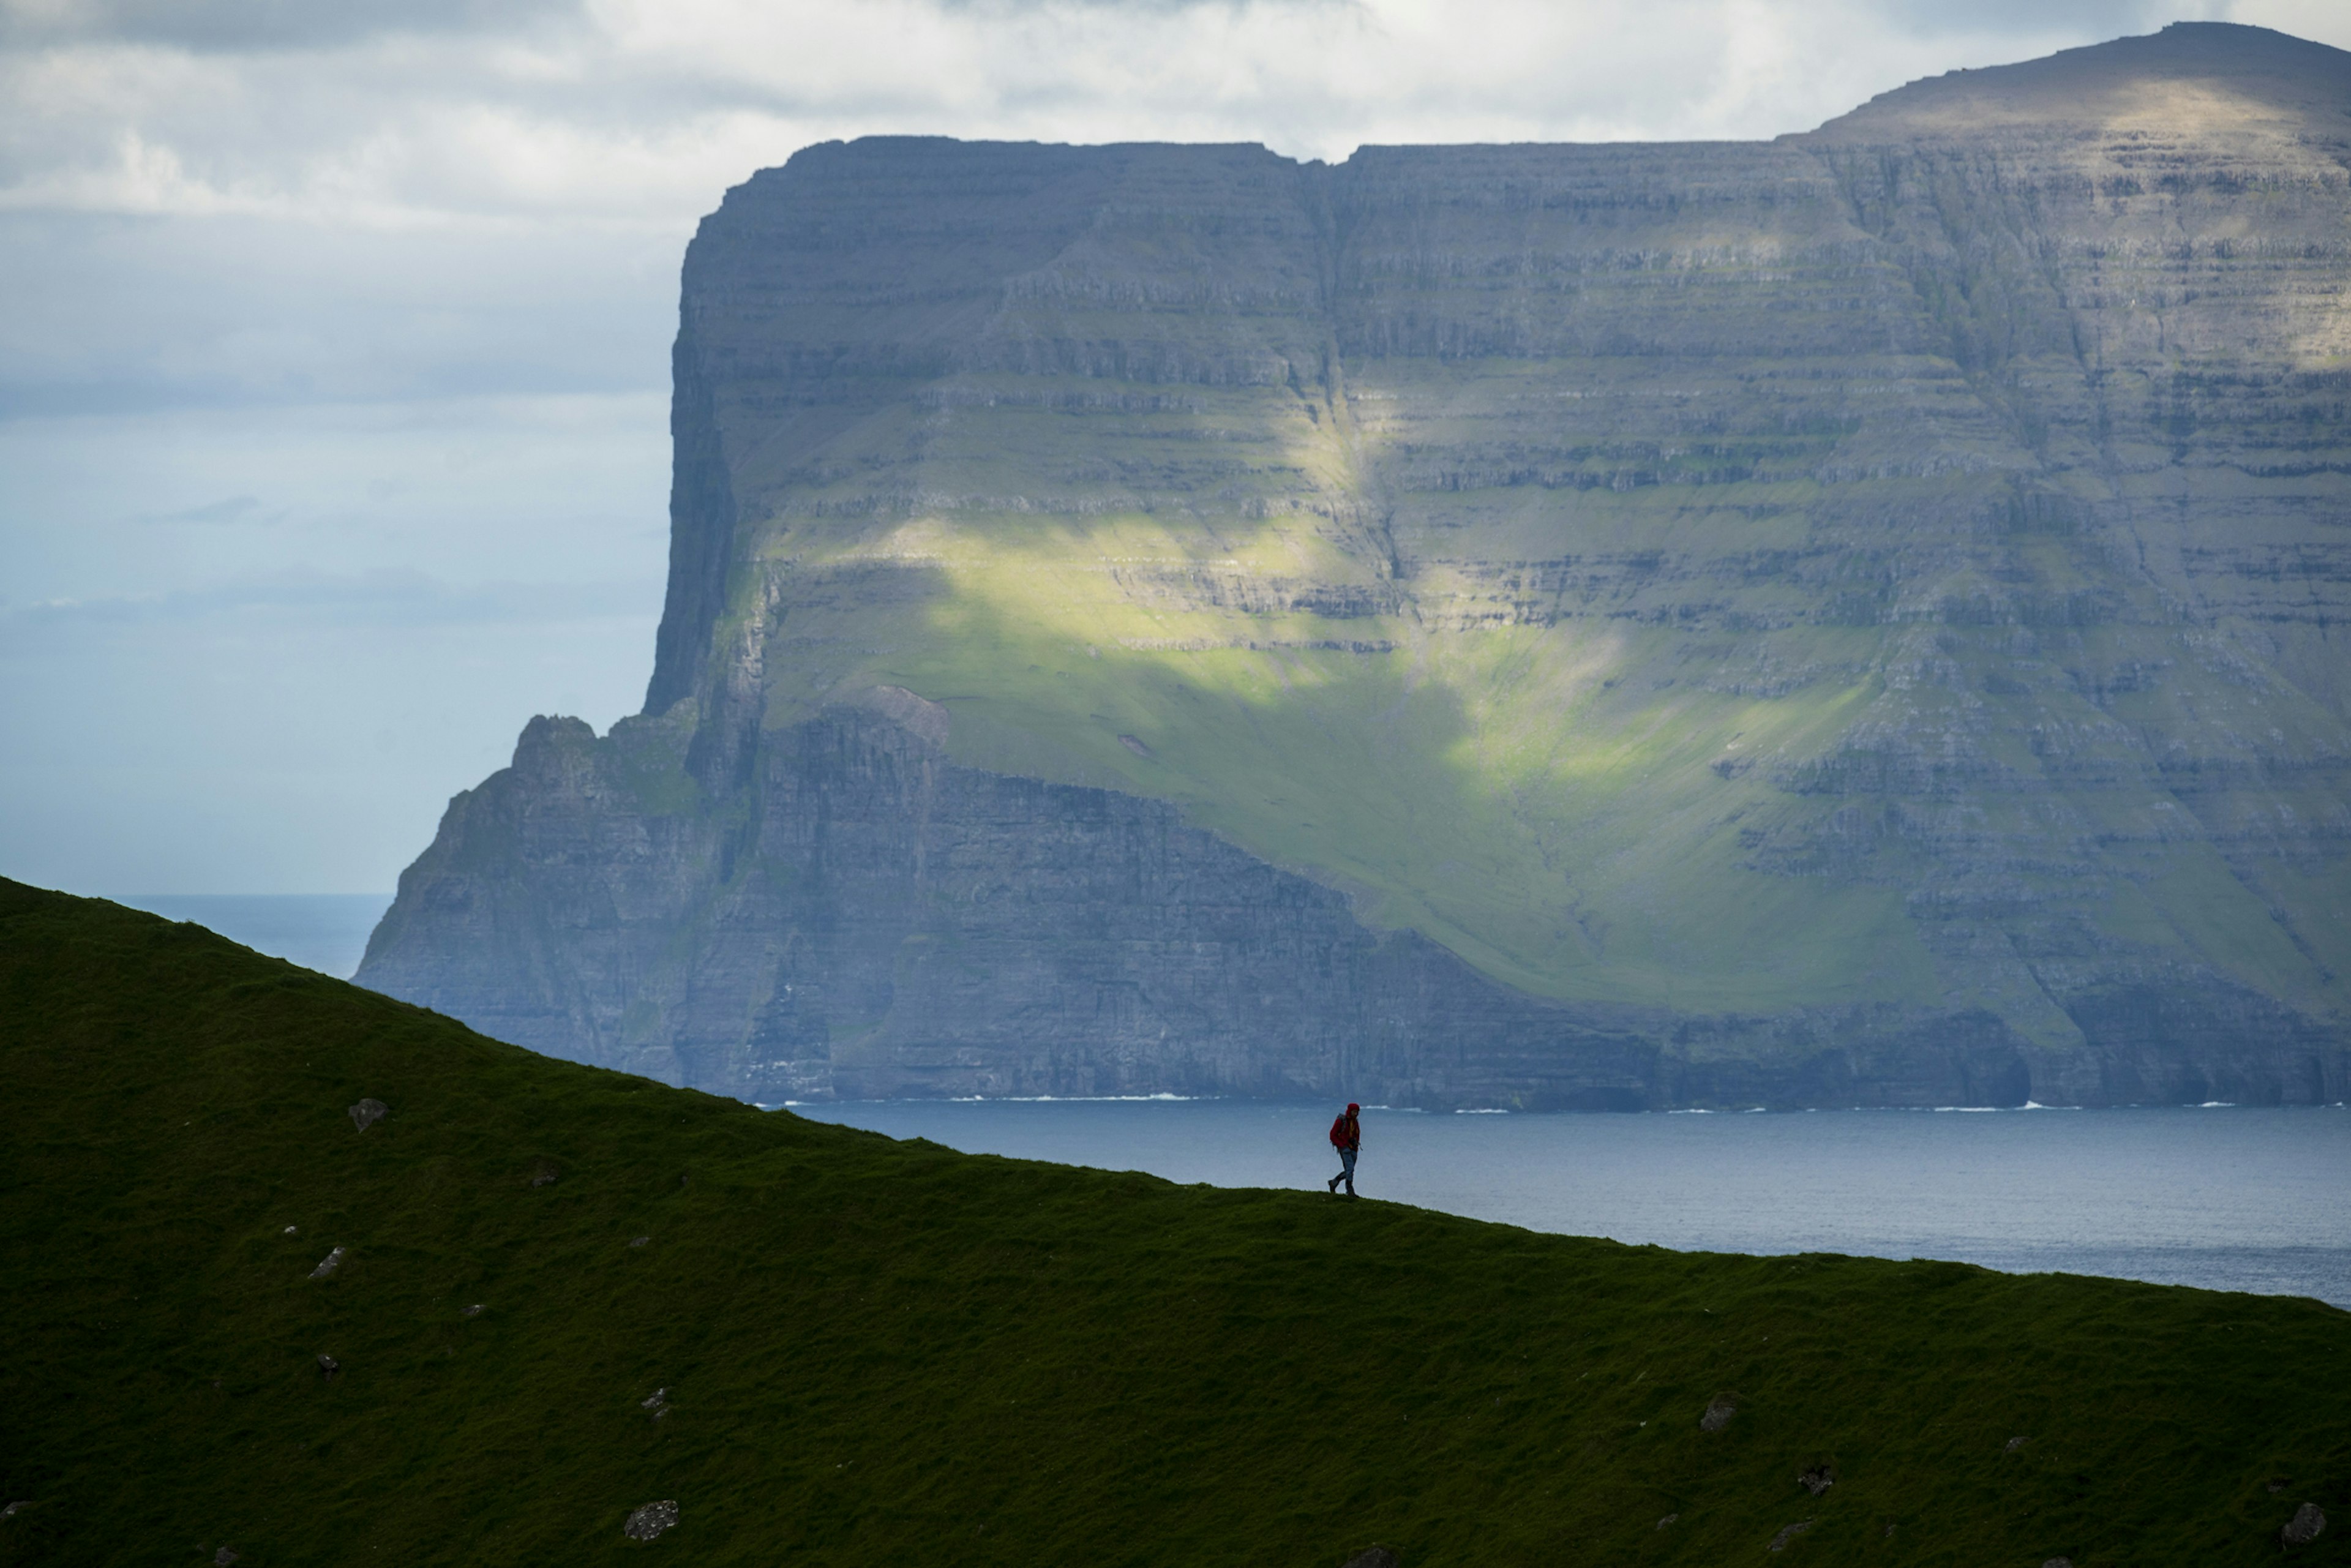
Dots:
(1899, 568)
(870, 920)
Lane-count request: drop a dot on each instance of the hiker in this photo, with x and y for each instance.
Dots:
(1346, 1137)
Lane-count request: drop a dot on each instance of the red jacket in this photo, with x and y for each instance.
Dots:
(1347, 1132)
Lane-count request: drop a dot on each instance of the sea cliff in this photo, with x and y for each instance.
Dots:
(1855, 619)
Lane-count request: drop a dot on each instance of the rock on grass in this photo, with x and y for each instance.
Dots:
(649, 1520)
(2304, 1527)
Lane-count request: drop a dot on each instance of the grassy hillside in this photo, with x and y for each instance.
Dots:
(1452, 782)
(884, 1353)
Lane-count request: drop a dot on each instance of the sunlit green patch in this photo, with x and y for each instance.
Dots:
(1672, 681)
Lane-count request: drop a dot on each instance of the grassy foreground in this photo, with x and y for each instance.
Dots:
(889, 1352)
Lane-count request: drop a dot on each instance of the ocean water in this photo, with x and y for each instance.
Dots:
(2231, 1198)
(2225, 1197)
(323, 931)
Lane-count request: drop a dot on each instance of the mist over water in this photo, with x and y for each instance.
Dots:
(323, 931)
(2223, 1197)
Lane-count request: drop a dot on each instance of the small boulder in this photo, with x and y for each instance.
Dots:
(11, 1510)
(1376, 1557)
(2058, 1562)
(1719, 1412)
(544, 1172)
(223, 1558)
(659, 1397)
(293, 1230)
(1667, 1520)
(2014, 1443)
(2277, 1485)
(368, 1113)
(473, 1312)
(639, 1241)
(328, 1366)
(649, 1520)
(1779, 1541)
(328, 1264)
(2304, 1527)
(1818, 1479)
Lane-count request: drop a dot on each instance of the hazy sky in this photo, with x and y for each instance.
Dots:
(334, 354)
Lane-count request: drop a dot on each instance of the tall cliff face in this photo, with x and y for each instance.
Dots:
(1852, 619)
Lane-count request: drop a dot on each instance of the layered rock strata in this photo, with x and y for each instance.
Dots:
(892, 923)
(1850, 620)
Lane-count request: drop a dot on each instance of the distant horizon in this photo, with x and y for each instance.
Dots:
(326, 931)
(216, 893)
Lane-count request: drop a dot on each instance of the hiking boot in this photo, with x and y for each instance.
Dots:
(1331, 1185)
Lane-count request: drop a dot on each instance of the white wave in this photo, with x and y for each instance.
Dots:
(1067, 1099)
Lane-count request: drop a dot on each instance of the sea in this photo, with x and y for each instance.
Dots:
(2229, 1197)
(323, 931)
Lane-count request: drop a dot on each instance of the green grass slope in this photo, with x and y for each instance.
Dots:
(889, 1352)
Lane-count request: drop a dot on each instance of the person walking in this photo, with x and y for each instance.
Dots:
(1346, 1137)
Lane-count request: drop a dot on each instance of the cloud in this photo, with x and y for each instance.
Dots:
(111, 313)
(642, 112)
(232, 509)
(2098, 18)
(391, 599)
(225, 25)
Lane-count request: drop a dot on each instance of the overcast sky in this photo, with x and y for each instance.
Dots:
(333, 362)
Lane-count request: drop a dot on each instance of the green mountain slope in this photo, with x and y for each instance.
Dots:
(870, 1351)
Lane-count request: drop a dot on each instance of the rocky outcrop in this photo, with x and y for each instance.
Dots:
(874, 920)
(1850, 620)
(880, 921)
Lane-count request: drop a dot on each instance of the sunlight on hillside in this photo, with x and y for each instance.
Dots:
(1522, 796)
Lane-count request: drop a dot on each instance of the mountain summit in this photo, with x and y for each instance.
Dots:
(2196, 80)
(1854, 619)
